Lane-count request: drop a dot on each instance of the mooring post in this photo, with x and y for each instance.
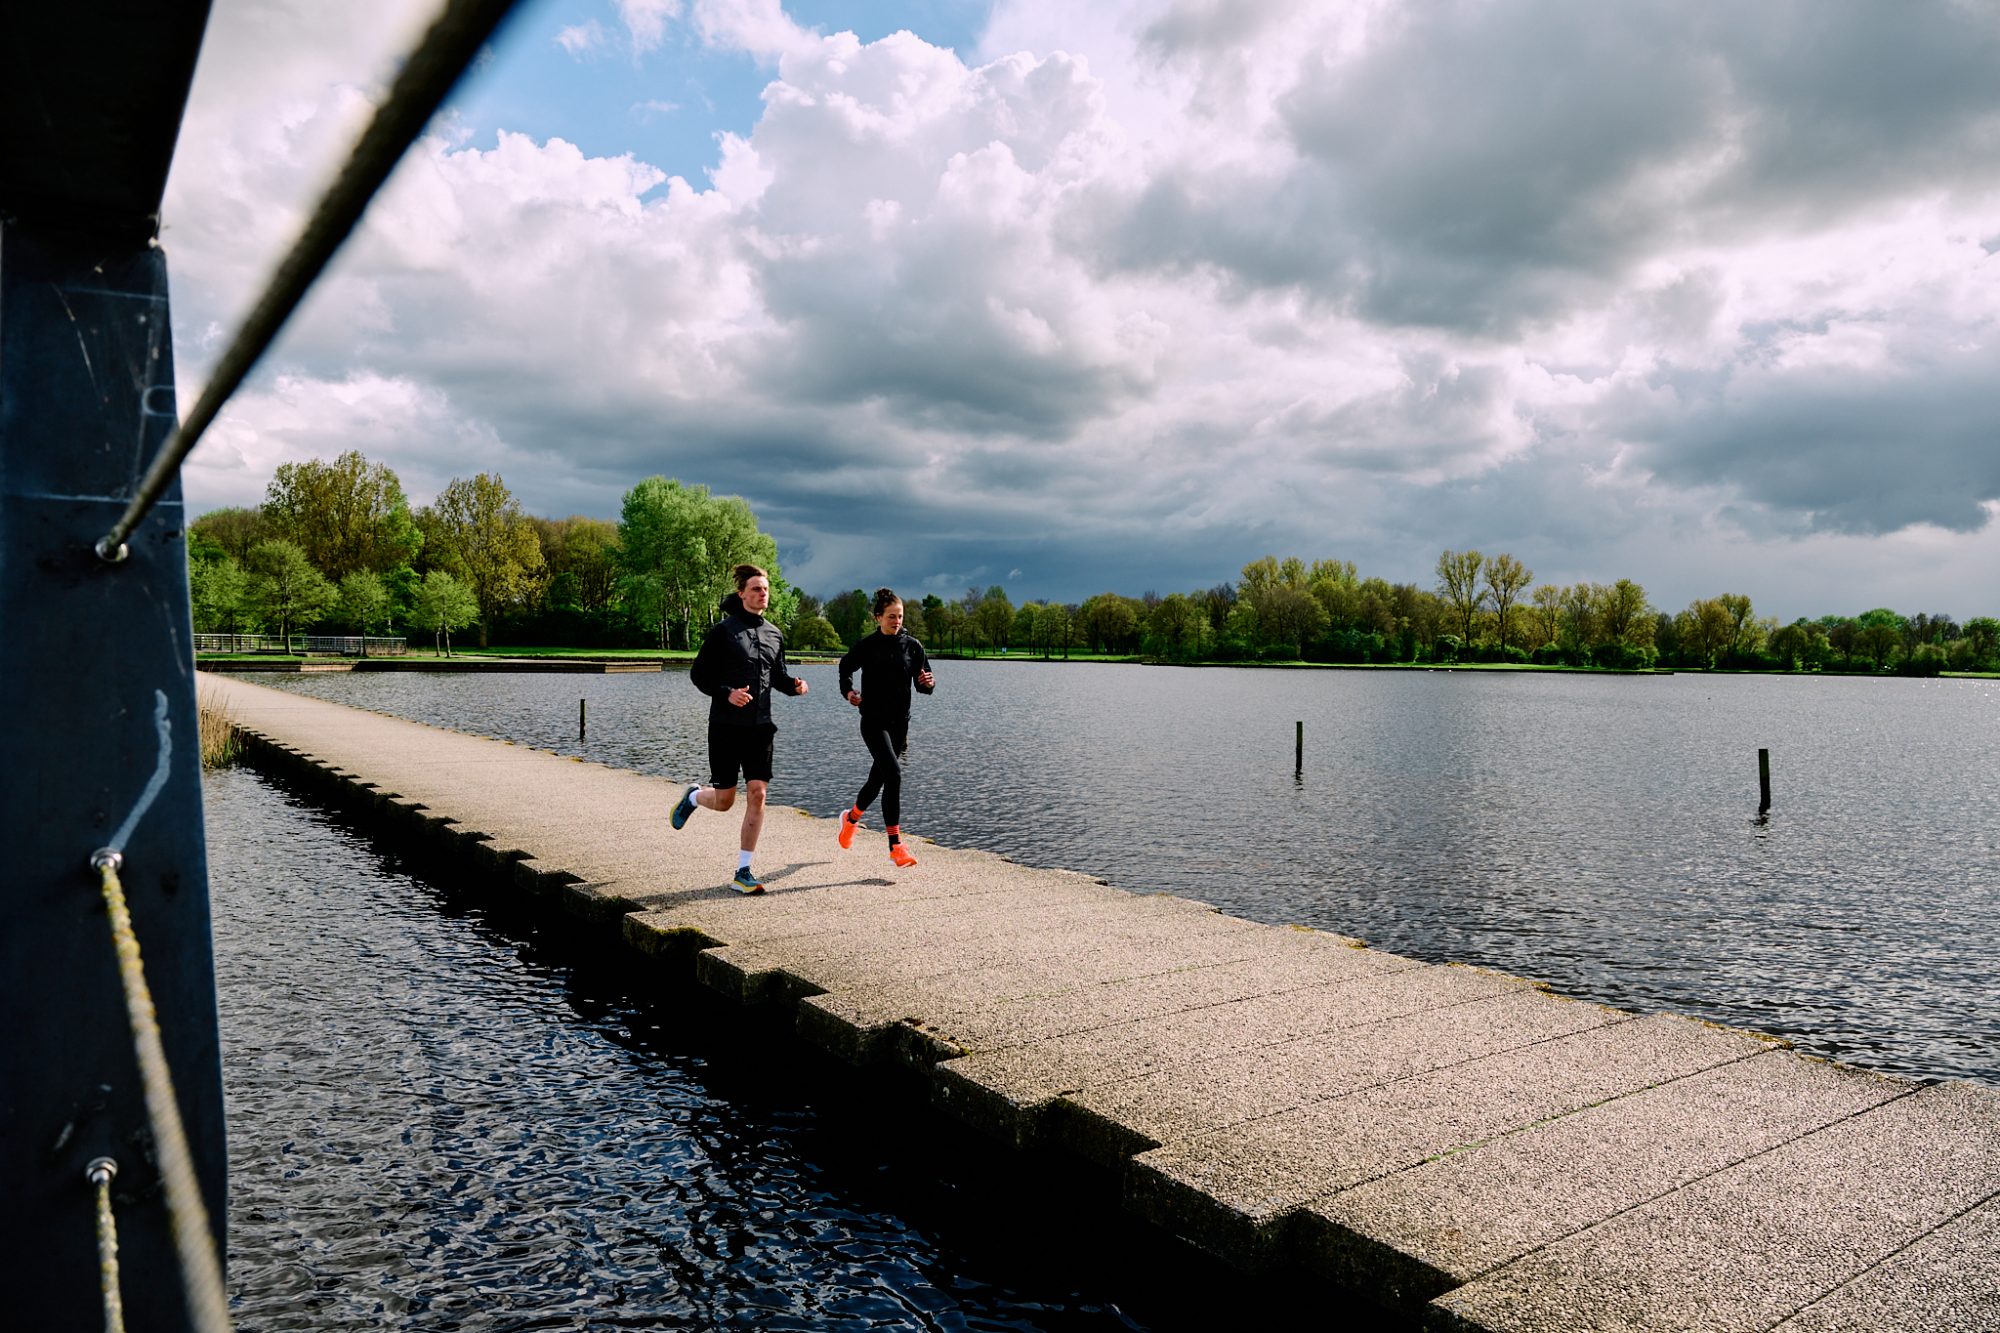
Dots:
(1763, 780)
(579, 719)
(1299, 750)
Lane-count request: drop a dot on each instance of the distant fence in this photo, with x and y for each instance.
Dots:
(302, 645)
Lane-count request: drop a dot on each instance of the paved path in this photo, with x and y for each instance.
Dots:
(1456, 1144)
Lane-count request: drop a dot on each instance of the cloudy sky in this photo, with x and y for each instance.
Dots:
(1072, 297)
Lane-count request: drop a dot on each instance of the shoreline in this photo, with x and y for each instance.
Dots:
(587, 662)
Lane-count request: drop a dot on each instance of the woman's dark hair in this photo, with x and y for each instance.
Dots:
(884, 599)
(744, 573)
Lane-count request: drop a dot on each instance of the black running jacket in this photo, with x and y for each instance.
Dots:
(890, 665)
(742, 649)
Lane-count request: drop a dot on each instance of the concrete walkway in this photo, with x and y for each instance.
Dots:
(1457, 1145)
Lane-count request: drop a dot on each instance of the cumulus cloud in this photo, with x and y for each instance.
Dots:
(1141, 292)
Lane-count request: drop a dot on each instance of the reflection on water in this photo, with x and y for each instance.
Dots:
(437, 1121)
(1596, 832)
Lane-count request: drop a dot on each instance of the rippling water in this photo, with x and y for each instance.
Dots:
(438, 1120)
(1596, 832)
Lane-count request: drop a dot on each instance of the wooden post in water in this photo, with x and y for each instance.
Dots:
(1299, 751)
(579, 719)
(1763, 780)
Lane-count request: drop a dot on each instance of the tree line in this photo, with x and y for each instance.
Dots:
(336, 546)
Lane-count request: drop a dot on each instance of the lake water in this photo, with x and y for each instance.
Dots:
(1598, 833)
(438, 1120)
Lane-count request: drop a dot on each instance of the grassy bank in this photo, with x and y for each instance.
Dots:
(220, 745)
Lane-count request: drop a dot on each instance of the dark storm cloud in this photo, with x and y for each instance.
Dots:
(1850, 102)
(1482, 166)
(928, 345)
(1831, 449)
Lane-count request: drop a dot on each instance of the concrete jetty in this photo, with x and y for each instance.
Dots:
(1460, 1147)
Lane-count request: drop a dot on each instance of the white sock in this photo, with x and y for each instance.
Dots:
(743, 860)
(697, 795)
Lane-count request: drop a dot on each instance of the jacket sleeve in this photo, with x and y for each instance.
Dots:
(782, 680)
(850, 661)
(920, 662)
(705, 673)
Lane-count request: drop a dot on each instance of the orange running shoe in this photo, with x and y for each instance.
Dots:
(897, 851)
(850, 820)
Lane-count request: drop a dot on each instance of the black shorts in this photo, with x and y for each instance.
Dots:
(739, 749)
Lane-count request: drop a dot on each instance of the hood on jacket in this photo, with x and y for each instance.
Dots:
(732, 605)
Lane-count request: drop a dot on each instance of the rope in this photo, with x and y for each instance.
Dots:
(426, 80)
(101, 1173)
(201, 1273)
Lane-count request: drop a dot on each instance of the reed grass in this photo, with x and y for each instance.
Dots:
(220, 745)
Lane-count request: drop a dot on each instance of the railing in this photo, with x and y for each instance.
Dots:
(303, 645)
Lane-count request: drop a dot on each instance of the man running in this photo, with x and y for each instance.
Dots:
(740, 665)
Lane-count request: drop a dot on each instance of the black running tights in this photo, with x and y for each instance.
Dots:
(886, 741)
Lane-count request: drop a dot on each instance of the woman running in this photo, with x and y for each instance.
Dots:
(888, 660)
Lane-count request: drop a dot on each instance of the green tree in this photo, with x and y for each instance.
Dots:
(1110, 623)
(345, 515)
(1581, 603)
(1458, 585)
(1982, 637)
(663, 553)
(947, 623)
(1026, 632)
(219, 595)
(1291, 618)
(1667, 637)
(1338, 589)
(1622, 615)
(995, 614)
(1790, 644)
(1547, 617)
(401, 583)
(1878, 634)
(1177, 629)
(442, 605)
(1216, 602)
(813, 633)
(847, 612)
(475, 532)
(1745, 634)
(1505, 578)
(1420, 616)
(581, 557)
(285, 589)
(1260, 579)
(363, 602)
(1705, 630)
(679, 544)
(232, 532)
(1374, 609)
